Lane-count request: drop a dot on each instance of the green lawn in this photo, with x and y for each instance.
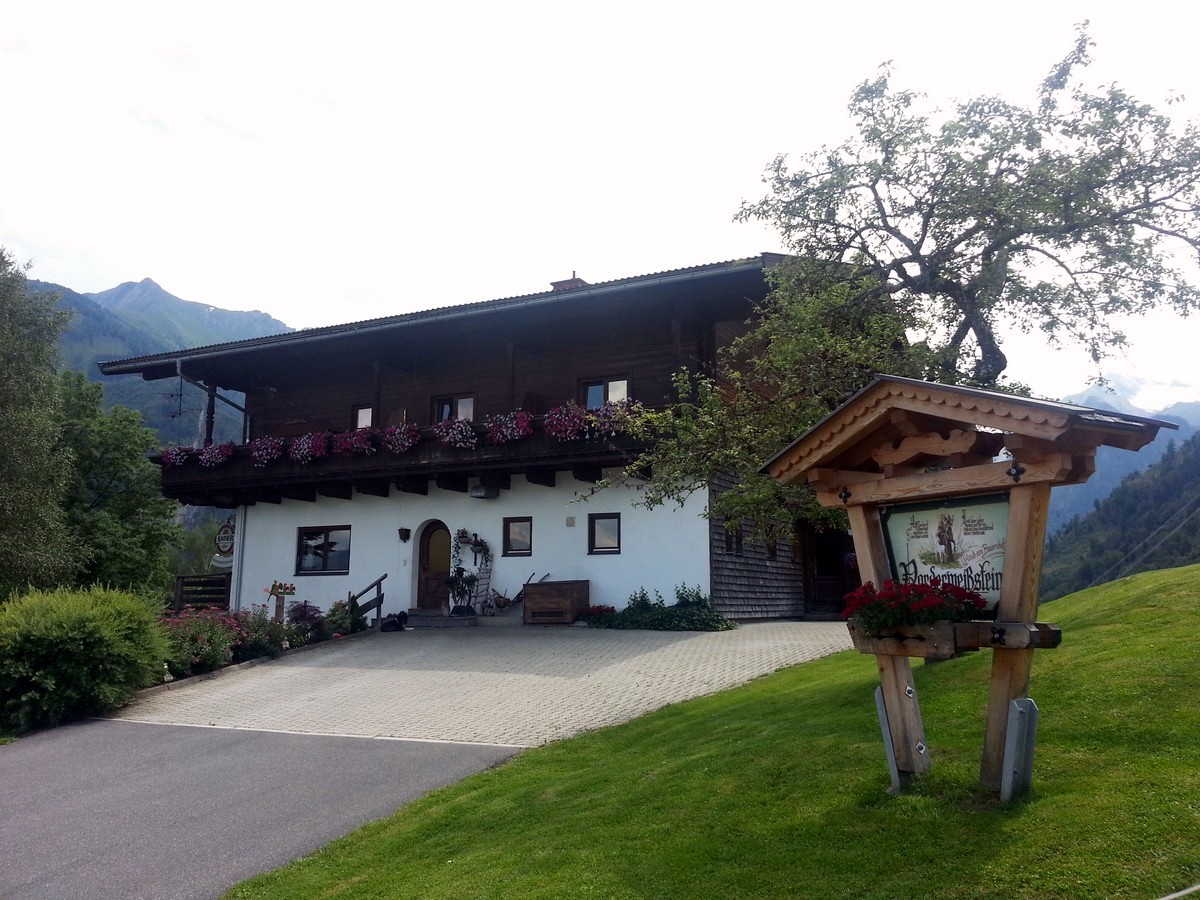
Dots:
(779, 788)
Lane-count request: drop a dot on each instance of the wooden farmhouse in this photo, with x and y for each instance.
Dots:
(328, 495)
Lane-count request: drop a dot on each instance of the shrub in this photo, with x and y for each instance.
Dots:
(72, 653)
(201, 640)
(691, 598)
(692, 611)
(308, 620)
(345, 618)
(259, 635)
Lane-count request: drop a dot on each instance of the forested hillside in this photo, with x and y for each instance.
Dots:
(1150, 521)
(140, 318)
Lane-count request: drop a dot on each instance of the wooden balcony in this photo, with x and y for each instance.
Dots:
(539, 457)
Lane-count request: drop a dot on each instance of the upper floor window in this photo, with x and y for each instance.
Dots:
(460, 407)
(595, 394)
(518, 536)
(323, 550)
(604, 533)
(363, 417)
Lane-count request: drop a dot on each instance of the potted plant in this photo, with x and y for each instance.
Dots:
(461, 584)
(911, 619)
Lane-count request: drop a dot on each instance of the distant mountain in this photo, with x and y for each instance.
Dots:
(175, 323)
(138, 319)
(1148, 522)
(1113, 465)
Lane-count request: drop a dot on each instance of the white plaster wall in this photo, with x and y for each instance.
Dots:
(660, 548)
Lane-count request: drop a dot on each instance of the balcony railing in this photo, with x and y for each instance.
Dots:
(238, 478)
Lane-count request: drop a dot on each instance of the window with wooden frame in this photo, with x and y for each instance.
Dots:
(459, 406)
(594, 394)
(362, 417)
(518, 536)
(323, 550)
(733, 541)
(604, 533)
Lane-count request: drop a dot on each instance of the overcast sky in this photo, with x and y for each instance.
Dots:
(331, 163)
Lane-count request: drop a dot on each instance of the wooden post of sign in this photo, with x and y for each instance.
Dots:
(1028, 508)
(895, 672)
(900, 441)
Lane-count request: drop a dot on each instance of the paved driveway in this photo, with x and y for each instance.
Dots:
(273, 761)
(518, 687)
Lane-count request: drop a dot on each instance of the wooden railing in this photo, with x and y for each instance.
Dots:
(202, 591)
(372, 605)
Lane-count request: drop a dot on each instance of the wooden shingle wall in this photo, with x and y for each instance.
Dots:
(749, 582)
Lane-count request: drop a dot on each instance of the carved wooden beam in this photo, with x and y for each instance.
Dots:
(339, 490)
(957, 442)
(854, 491)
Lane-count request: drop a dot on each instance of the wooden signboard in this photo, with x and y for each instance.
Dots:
(954, 483)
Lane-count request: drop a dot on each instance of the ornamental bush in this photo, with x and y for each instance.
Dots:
(345, 618)
(72, 653)
(201, 640)
(260, 635)
(692, 611)
(308, 619)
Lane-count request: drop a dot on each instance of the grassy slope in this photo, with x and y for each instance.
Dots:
(778, 788)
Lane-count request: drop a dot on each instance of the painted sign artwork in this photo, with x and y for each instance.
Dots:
(957, 541)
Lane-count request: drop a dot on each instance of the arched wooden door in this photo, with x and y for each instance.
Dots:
(434, 564)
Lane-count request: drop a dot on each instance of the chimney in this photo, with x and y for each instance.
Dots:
(569, 284)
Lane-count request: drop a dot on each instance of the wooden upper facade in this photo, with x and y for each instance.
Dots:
(532, 353)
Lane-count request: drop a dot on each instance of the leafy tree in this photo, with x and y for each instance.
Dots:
(124, 527)
(35, 546)
(1058, 217)
(812, 344)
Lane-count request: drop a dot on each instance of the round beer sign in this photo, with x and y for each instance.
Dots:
(224, 539)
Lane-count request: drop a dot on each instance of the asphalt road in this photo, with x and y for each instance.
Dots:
(111, 809)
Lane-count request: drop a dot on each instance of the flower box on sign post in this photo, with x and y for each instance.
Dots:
(933, 641)
(945, 482)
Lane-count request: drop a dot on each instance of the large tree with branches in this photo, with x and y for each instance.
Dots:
(1058, 217)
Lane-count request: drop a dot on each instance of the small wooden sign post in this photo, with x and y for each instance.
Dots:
(899, 443)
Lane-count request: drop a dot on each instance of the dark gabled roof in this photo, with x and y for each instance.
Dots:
(163, 365)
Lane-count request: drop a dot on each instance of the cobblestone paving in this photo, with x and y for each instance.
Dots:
(509, 686)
